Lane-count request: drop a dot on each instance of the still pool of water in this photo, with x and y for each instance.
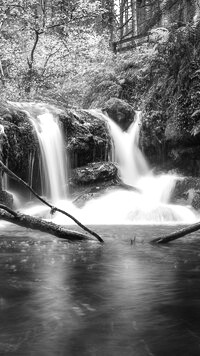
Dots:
(88, 299)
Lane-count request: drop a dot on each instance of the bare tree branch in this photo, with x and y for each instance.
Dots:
(53, 208)
(35, 223)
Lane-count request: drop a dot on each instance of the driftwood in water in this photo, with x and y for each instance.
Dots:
(53, 208)
(38, 224)
(177, 234)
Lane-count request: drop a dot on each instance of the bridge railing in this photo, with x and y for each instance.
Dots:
(129, 42)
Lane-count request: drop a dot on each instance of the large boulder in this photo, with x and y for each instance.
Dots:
(96, 172)
(187, 191)
(120, 112)
(91, 181)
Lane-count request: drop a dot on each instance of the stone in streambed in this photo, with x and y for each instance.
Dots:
(94, 173)
(92, 181)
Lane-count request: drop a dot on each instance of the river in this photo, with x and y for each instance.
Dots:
(84, 298)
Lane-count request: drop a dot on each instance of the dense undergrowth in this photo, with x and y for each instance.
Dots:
(163, 80)
(173, 97)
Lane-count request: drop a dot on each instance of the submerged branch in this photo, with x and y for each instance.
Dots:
(177, 234)
(53, 209)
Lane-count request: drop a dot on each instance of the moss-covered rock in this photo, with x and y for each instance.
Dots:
(87, 137)
(21, 139)
(187, 191)
(120, 111)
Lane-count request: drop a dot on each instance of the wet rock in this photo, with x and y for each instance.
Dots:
(92, 181)
(196, 200)
(20, 140)
(95, 180)
(120, 111)
(6, 198)
(187, 191)
(94, 173)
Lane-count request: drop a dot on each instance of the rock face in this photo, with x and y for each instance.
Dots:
(168, 145)
(87, 137)
(120, 112)
(21, 141)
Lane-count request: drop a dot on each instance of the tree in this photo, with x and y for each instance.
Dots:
(37, 39)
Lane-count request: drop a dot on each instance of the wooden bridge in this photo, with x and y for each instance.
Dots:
(134, 19)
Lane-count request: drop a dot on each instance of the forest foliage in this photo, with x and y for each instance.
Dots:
(46, 47)
(60, 51)
(162, 79)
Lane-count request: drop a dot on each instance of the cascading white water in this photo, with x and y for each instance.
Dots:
(149, 206)
(126, 151)
(119, 206)
(52, 156)
(53, 165)
(134, 168)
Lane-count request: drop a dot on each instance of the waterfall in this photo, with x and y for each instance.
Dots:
(133, 166)
(126, 151)
(53, 165)
(52, 156)
(152, 205)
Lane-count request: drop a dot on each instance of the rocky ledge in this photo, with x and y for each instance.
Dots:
(187, 192)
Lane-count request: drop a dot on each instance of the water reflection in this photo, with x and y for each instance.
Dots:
(86, 299)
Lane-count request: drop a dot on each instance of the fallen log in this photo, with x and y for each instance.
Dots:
(53, 208)
(176, 234)
(34, 223)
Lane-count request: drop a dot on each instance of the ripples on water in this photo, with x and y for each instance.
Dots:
(85, 298)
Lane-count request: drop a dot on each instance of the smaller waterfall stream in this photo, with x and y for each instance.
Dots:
(126, 152)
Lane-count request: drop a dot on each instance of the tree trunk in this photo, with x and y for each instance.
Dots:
(34, 223)
(177, 234)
